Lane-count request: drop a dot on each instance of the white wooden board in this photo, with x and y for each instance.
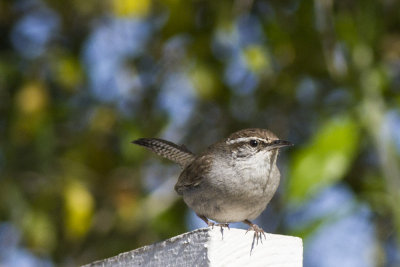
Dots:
(209, 247)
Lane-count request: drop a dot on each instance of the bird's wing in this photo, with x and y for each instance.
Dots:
(193, 174)
(166, 149)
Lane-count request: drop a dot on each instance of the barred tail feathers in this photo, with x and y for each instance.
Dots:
(166, 149)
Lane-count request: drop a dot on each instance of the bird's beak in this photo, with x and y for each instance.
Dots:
(279, 144)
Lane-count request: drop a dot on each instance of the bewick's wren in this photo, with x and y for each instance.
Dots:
(232, 180)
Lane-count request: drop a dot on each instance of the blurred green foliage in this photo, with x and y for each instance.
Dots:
(325, 160)
(80, 79)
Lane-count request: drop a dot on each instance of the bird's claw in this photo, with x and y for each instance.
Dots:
(211, 224)
(258, 232)
(223, 225)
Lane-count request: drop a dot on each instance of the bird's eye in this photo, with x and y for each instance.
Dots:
(253, 143)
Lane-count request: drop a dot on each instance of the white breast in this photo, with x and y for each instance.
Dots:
(238, 190)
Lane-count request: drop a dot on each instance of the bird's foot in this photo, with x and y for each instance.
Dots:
(211, 224)
(223, 225)
(258, 231)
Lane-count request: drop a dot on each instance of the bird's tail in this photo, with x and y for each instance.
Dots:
(166, 149)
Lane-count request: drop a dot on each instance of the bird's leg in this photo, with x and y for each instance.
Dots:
(212, 224)
(258, 231)
(223, 225)
(204, 218)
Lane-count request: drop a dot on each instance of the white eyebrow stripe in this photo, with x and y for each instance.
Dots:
(245, 139)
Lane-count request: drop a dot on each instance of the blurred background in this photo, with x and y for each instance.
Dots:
(79, 80)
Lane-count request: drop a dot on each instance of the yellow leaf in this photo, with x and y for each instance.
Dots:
(125, 8)
(68, 72)
(79, 206)
(257, 58)
(204, 81)
(32, 98)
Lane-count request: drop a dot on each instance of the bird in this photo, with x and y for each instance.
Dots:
(232, 180)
